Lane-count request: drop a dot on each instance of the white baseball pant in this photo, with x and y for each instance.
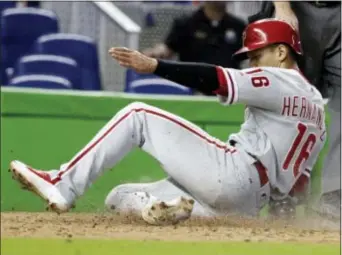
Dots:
(212, 172)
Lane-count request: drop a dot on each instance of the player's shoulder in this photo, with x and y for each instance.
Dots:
(267, 69)
(273, 71)
(295, 82)
(282, 75)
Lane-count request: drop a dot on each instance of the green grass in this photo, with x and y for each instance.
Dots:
(29, 246)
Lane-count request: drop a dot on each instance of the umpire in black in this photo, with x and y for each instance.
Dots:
(319, 24)
(210, 35)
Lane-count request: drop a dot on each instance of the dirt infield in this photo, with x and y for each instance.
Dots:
(109, 226)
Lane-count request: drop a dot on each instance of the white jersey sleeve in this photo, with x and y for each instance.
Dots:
(258, 87)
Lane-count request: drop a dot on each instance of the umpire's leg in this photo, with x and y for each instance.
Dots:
(330, 202)
(322, 65)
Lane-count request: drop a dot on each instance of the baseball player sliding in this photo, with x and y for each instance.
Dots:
(271, 157)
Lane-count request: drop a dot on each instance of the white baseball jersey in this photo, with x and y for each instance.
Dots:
(284, 123)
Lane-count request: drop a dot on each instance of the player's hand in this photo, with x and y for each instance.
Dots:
(149, 52)
(159, 51)
(134, 59)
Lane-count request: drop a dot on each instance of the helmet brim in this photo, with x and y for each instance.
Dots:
(241, 54)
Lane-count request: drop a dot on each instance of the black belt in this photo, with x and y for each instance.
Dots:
(322, 4)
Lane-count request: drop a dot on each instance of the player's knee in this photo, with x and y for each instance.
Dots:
(113, 198)
(133, 107)
(116, 196)
(137, 105)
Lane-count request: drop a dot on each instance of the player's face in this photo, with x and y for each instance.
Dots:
(263, 57)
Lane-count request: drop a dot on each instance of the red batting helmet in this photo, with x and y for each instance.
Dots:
(265, 32)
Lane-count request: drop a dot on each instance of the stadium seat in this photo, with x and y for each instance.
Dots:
(7, 4)
(51, 65)
(20, 27)
(78, 47)
(41, 81)
(151, 84)
(3, 6)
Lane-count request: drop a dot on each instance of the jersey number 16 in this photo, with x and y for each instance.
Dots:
(304, 150)
(258, 81)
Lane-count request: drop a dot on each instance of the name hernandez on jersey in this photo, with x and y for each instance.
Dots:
(283, 109)
(301, 107)
(253, 87)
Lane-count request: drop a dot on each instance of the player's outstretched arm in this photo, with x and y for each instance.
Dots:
(199, 76)
(134, 59)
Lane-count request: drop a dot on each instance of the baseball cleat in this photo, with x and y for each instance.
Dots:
(163, 213)
(39, 183)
